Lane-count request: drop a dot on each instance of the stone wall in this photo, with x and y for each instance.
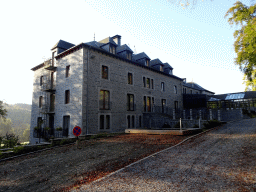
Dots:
(117, 85)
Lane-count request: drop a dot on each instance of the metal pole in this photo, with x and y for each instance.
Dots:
(199, 124)
(180, 123)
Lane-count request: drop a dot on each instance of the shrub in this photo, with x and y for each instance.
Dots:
(59, 129)
(166, 125)
(10, 140)
(177, 125)
(211, 124)
(196, 126)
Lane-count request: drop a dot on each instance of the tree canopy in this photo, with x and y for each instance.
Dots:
(245, 37)
(3, 111)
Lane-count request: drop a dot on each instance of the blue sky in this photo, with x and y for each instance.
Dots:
(197, 42)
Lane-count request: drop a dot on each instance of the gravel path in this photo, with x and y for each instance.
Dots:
(221, 160)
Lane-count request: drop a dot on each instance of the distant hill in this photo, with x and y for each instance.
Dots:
(19, 120)
(19, 113)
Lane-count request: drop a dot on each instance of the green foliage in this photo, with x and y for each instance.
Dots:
(196, 126)
(3, 111)
(59, 129)
(211, 124)
(5, 126)
(177, 125)
(251, 114)
(10, 140)
(1, 139)
(245, 43)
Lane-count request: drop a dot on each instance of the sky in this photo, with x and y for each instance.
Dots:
(196, 41)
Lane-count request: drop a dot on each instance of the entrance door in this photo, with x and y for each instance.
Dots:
(51, 124)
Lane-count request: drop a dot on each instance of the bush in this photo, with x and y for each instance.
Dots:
(166, 125)
(196, 126)
(10, 140)
(59, 129)
(211, 124)
(177, 125)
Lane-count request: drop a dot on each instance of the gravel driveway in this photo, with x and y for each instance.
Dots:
(221, 160)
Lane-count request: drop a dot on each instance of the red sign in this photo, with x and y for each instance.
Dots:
(77, 131)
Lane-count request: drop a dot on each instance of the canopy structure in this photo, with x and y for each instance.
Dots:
(233, 100)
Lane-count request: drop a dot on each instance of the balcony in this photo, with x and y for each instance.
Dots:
(48, 86)
(49, 65)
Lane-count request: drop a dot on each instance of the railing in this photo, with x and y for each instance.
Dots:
(48, 86)
(47, 134)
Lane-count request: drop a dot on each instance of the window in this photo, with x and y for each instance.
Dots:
(41, 80)
(140, 121)
(130, 78)
(162, 86)
(153, 103)
(163, 105)
(107, 121)
(130, 102)
(191, 92)
(104, 100)
(161, 68)
(66, 125)
(175, 89)
(39, 122)
(170, 72)
(101, 121)
(133, 121)
(176, 104)
(146, 62)
(104, 72)
(40, 101)
(67, 96)
(104, 122)
(129, 56)
(184, 90)
(129, 121)
(112, 49)
(67, 71)
(144, 81)
(149, 104)
(148, 83)
(152, 84)
(144, 103)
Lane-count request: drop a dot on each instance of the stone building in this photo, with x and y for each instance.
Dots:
(101, 87)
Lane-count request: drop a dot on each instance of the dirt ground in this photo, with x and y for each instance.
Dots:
(66, 167)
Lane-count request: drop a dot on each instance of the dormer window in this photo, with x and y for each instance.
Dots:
(147, 62)
(161, 68)
(112, 49)
(129, 56)
(170, 72)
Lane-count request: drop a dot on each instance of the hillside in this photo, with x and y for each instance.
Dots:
(18, 120)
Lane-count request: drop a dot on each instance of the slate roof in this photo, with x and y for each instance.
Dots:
(63, 44)
(155, 62)
(108, 40)
(167, 65)
(195, 86)
(142, 55)
(123, 48)
(94, 44)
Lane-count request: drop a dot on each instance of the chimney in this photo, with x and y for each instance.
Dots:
(117, 39)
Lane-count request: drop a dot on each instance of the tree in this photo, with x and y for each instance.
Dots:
(245, 43)
(3, 111)
(250, 85)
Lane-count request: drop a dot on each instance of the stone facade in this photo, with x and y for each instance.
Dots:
(75, 73)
